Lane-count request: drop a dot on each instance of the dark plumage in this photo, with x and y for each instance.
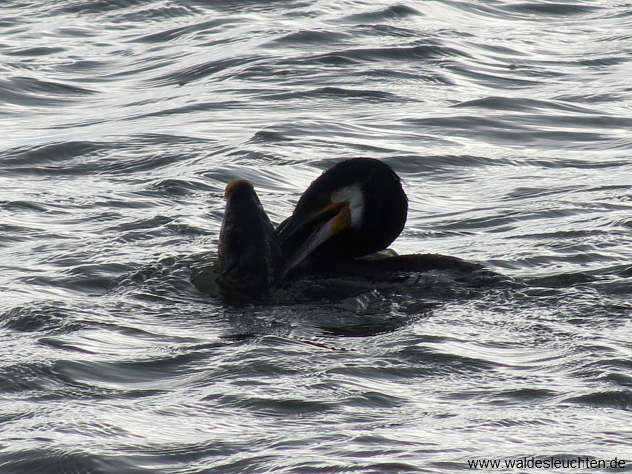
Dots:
(355, 208)
(249, 255)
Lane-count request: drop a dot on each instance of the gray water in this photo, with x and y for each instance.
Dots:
(510, 124)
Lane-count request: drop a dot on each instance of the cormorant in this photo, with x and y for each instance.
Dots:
(249, 254)
(353, 209)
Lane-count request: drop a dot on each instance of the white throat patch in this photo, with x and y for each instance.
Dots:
(353, 195)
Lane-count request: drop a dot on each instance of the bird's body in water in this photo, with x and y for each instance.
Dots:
(354, 209)
(249, 254)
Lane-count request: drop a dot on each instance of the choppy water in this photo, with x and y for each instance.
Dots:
(511, 125)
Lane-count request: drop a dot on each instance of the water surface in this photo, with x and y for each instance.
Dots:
(509, 123)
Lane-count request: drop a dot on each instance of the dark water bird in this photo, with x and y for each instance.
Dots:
(249, 253)
(353, 209)
(350, 212)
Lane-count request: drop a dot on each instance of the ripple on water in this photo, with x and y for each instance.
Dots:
(393, 12)
(41, 318)
(530, 9)
(32, 92)
(366, 96)
(224, 68)
(88, 158)
(619, 399)
(72, 459)
(308, 37)
(187, 33)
